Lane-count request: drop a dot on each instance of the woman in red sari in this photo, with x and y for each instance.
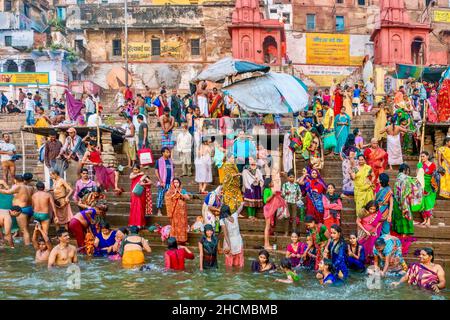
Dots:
(177, 210)
(338, 100)
(315, 188)
(140, 201)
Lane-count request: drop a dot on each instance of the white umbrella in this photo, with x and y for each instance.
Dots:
(277, 93)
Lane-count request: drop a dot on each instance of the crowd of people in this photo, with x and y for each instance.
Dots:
(250, 184)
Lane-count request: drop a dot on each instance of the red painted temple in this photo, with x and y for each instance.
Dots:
(254, 38)
(397, 39)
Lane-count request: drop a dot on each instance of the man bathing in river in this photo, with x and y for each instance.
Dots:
(42, 245)
(42, 205)
(64, 253)
(22, 198)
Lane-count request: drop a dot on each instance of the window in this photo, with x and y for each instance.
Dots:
(310, 22)
(195, 47)
(340, 26)
(8, 5)
(362, 2)
(273, 10)
(80, 2)
(61, 13)
(287, 17)
(339, 1)
(156, 47)
(8, 41)
(26, 10)
(79, 45)
(117, 47)
(104, 1)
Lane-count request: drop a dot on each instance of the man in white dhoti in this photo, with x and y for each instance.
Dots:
(394, 148)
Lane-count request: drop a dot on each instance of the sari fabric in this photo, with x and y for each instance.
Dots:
(177, 213)
(372, 223)
(363, 190)
(332, 209)
(443, 101)
(341, 131)
(432, 115)
(421, 276)
(445, 179)
(337, 255)
(232, 194)
(407, 199)
(429, 194)
(383, 198)
(315, 188)
(377, 159)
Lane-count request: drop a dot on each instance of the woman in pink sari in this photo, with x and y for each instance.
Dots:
(369, 227)
(426, 274)
(140, 201)
(432, 115)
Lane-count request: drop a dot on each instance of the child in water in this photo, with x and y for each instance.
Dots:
(295, 250)
(326, 272)
(355, 254)
(292, 276)
(43, 246)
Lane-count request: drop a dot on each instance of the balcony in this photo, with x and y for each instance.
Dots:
(8, 21)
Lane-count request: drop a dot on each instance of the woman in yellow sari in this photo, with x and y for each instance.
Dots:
(444, 162)
(380, 122)
(232, 194)
(41, 122)
(364, 187)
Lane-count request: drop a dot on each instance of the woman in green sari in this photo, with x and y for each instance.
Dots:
(407, 199)
(364, 187)
(430, 187)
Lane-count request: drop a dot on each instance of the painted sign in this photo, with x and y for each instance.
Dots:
(335, 49)
(328, 49)
(171, 48)
(323, 76)
(24, 78)
(137, 50)
(441, 16)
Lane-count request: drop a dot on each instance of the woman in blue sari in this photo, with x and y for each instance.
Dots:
(342, 128)
(336, 251)
(315, 187)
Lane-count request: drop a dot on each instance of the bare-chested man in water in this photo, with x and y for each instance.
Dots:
(64, 253)
(42, 245)
(22, 198)
(167, 123)
(43, 204)
(6, 223)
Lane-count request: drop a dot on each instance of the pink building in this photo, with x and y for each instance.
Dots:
(399, 40)
(254, 38)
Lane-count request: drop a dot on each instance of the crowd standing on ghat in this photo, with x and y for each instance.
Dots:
(248, 184)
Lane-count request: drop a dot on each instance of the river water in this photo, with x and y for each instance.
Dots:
(21, 278)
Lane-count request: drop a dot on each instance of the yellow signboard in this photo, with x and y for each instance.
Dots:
(328, 49)
(137, 50)
(24, 78)
(171, 48)
(441, 16)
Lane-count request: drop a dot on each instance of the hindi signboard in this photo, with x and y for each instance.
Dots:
(24, 78)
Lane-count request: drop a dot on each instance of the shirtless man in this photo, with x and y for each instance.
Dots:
(167, 123)
(64, 253)
(43, 204)
(394, 148)
(42, 245)
(22, 198)
(6, 223)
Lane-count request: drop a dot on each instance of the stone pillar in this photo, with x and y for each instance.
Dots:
(108, 154)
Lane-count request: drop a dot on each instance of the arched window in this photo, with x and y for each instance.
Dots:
(28, 66)
(418, 51)
(10, 66)
(270, 49)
